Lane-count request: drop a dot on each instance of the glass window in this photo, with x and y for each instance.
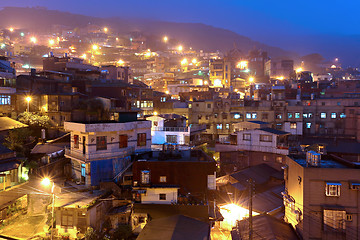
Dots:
(334, 219)
(290, 115)
(209, 105)
(163, 179)
(310, 115)
(333, 115)
(342, 115)
(323, 115)
(293, 125)
(297, 115)
(236, 115)
(265, 138)
(141, 139)
(227, 126)
(219, 126)
(247, 136)
(305, 115)
(248, 115)
(67, 218)
(4, 100)
(162, 196)
(171, 138)
(338, 103)
(278, 116)
(145, 176)
(101, 143)
(265, 116)
(123, 141)
(76, 141)
(308, 125)
(332, 189)
(215, 115)
(254, 115)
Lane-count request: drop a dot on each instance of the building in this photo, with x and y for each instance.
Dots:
(220, 73)
(7, 87)
(102, 151)
(279, 68)
(321, 196)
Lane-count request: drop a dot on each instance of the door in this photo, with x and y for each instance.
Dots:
(83, 142)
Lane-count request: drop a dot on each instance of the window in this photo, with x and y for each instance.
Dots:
(123, 141)
(163, 179)
(215, 115)
(76, 141)
(67, 218)
(83, 170)
(278, 116)
(333, 189)
(305, 115)
(227, 126)
(141, 139)
(236, 115)
(254, 115)
(62, 103)
(310, 115)
(334, 219)
(279, 159)
(162, 196)
(290, 115)
(323, 103)
(145, 176)
(224, 116)
(265, 138)
(342, 115)
(264, 158)
(101, 143)
(171, 138)
(247, 136)
(163, 99)
(323, 115)
(333, 115)
(209, 105)
(338, 103)
(265, 116)
(4, 100)
(308, 125)
(297, 115)
(219, 126)
(292, 125)
(248, 115)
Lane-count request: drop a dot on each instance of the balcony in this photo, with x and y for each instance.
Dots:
(98, 155)
(171, 129)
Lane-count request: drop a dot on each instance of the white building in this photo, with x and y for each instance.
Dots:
(159, 195)
(102, 151)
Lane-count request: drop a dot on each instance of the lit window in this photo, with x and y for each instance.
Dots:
(76, 141)
(290, 115)
(342, 115)
(278, 116)
(219, 126)
(254, 115)
(308, 125)
(163, 179)
(332, 189)
(323, 115)
(333, 115)
(305, 115)
(279, 159)
(247, 136)
(237, 116)
(297, 115)
(293, 125)
(310, 115)
(248, 115)
(265, 138)
(145, 176)
(4, 100)
(334, 219)
(227, 126)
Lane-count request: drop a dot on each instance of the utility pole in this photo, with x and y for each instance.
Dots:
(251, 188)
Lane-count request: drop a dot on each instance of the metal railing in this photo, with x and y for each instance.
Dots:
(98, 155)
(172, 129)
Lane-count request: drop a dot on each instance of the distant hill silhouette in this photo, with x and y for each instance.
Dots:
(197, 35)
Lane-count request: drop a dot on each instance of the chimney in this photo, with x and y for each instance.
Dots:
(313, 159)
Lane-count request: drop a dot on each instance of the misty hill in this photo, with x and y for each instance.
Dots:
(196, 35)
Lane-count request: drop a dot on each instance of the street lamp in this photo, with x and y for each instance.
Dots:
(28, 100)
(47, 182)
(166, 39)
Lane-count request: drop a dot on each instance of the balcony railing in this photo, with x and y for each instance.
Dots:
(172, 129)
(98, 155)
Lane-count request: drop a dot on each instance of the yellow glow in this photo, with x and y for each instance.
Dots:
(184, 61)
(46, 182)
(280, 78)
(11, 29)
(242, 64)
(84, 56)
(194, 61)
(117, 39)
(299, 70)
(236, 90)
(206, 82)
(51, 42)
(95, 47)
(33, 39)
(232, 213)
(251, 79)
(180, 48)
(167, 92)
(28, 99)
(166, 39)
(106, 29)
(155, 113)
(44, 108)
(120, 62)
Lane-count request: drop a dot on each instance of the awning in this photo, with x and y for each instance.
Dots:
(333, 183)
(9, 165)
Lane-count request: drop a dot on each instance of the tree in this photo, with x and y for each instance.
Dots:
(16, 140)
(34, 119)
(122, 232)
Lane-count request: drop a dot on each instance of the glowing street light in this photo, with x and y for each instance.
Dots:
(120, 62)
(11, 29)
(47, 183)
(194, 61)
(167, 92)
(106, 29)
(184, 61)
(165, 39)
(28, 100)
(33, 39)
(180, 48)
(84, 56)
(95, 47)
(155, 113)
(251, 79)
(51, 42)
(299, 70)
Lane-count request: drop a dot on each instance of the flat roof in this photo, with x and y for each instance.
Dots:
(325, 162)
(175, 156)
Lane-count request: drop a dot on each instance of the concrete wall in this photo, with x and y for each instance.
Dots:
(152, 195)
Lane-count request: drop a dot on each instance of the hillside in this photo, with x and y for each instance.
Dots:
(199, 36)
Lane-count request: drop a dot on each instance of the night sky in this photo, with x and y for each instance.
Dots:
(273, 22)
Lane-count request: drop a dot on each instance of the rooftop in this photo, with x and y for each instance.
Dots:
(175, 156)
(325, 162)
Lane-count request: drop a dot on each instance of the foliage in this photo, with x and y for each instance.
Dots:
(17, 139)
(34, 119)
(90, 234)
(122, 232)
